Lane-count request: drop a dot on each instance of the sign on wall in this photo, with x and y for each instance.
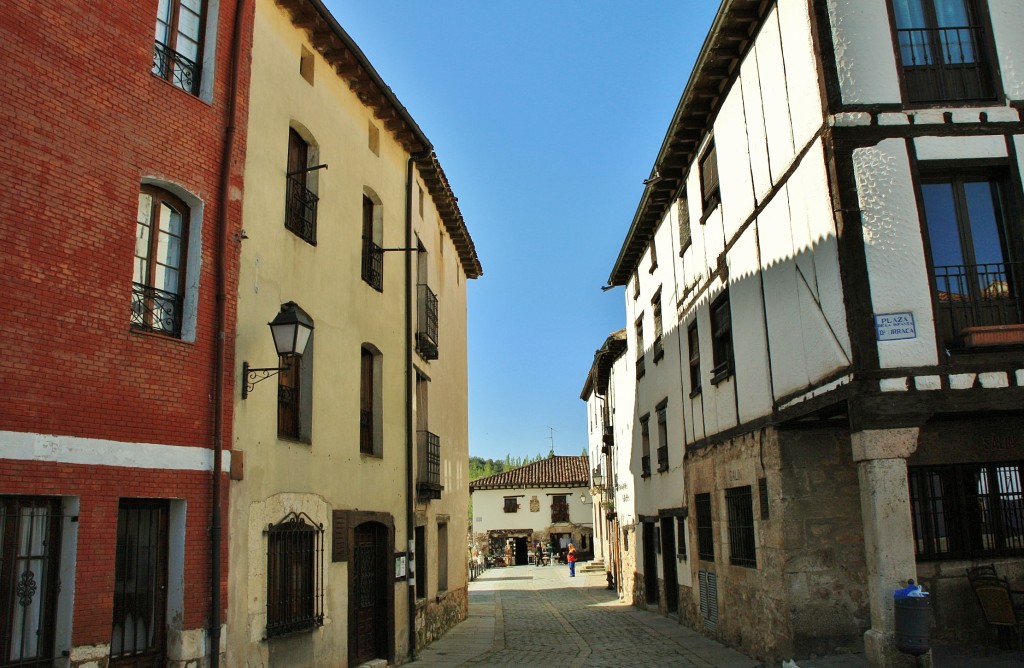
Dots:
(895, 326)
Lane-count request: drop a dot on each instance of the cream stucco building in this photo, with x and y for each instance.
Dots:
(348, 517)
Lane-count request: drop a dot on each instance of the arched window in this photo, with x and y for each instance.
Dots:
(161, 251)
(178, 49)
(301, 198)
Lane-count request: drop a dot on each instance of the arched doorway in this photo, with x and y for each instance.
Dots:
(368, 596)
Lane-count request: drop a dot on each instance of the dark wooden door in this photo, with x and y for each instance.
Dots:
(29, 560)
(668, 563)
(650, 564)
(368, 601)
(139, 628)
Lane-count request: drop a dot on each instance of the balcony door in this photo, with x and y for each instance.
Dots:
(943, 50)
(972, 244)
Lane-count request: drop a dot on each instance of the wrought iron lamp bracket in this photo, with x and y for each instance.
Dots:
(253, 375)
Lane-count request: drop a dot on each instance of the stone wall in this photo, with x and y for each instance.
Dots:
(438, 616)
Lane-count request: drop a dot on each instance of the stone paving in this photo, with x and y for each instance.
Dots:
(525, 615)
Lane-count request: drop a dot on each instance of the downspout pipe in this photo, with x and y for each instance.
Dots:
(220, 355)
(410, 434)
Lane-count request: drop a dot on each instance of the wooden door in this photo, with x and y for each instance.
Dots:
(368, 600)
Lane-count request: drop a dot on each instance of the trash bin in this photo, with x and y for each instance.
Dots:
(913, 619)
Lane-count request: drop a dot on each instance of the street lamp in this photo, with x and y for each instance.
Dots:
(291, 329)
(598, 478)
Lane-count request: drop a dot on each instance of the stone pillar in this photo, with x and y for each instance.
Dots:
(881, 458)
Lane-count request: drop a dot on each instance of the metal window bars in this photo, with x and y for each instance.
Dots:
(176, 68)
(300, 210)
(429, 465)
(944, 64)
(156, 310)
(295, 575)
(373, 264)
(742, 544)
(426, 327)
(980, 295)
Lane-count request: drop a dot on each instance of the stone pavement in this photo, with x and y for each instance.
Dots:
(542, 617)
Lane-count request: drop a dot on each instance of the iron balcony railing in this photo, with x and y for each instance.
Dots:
(156, 310)
(945, 64)
(300, 210)
(977, 296)
(426, 324)
(176, 68)
(429, 465)
(373, 264)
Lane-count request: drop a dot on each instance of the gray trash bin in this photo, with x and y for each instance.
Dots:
(913, 624)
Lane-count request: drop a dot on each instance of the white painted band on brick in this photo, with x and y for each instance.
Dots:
(101, 452)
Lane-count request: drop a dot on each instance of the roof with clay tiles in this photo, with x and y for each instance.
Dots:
(555, 471)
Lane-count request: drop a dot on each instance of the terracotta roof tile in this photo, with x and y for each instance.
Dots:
(556, 471)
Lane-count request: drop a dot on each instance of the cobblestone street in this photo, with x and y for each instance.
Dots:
(527, 615)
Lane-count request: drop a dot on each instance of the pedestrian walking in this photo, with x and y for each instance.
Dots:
(571, 558)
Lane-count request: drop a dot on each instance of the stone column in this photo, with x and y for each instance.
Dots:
(881, 458)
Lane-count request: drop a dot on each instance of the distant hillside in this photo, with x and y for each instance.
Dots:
(481, 468)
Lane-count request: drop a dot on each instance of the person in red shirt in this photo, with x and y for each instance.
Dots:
(571, 558)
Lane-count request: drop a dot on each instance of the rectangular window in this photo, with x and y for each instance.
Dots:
(367, 393)
(659, 350)
(295, 396)
(373, 254)
(177, 51)
(140, 579)
(977, 277)
(295, 579)
(300, 201)
(681, 537)
(721, 339)
(640, 367)
(694, 348)
(709, 179)
(442, 557)
(705, 529)
(30, 538)
(161, 249)
(740, 507)
(662, 411)
(967, 511)
(684, 225)
(511, 504)
(943, 47)
(421, 562)
(559, 508)
(645, 445)
(654, 256)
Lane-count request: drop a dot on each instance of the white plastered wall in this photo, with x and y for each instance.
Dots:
(1007, 18)
(866, 65)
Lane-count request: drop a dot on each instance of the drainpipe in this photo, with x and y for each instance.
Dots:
(410, 434)
(221, 340)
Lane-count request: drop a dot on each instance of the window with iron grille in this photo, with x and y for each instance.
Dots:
(559, 508)
(645, 445)
(684, 225)
(662, 410)
(295, 577)
(966, 511)
(721, 338)
(739, 504)
(654, 255)
(709, 178)
(694, 359)
(511, 504)
(369, 398)
(426, 323)
(301, 199)
(178, 49)
(705, 530)
(681, 537)
(373, 254)
(30, 538)
(944, 50)
(161, 250)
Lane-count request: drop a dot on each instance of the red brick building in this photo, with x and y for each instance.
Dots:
(121, 162)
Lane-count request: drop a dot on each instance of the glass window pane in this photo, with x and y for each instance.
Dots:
(951, 13)
(909, 13)
(167, 279)
(169, 251)
(188, 25)
(986, 232)
(170, 220)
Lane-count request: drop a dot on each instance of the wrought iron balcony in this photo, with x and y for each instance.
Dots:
(176, 68)
(156, 310)
(945, 64)
(428, 468)
(300, 210)
(979, 305)
(426, 323)
(373, 264)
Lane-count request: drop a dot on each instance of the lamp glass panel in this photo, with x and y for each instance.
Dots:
(284, 338)
(302, 338)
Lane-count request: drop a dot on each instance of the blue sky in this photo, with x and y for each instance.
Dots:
(547, 117)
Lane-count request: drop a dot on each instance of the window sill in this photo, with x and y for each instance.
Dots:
(709, 208)
(645, 474)
(137, 331)
(695, 393)
(659, 355)
(662, 468)
(721, 374)
(297, 441)
(370, 455)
